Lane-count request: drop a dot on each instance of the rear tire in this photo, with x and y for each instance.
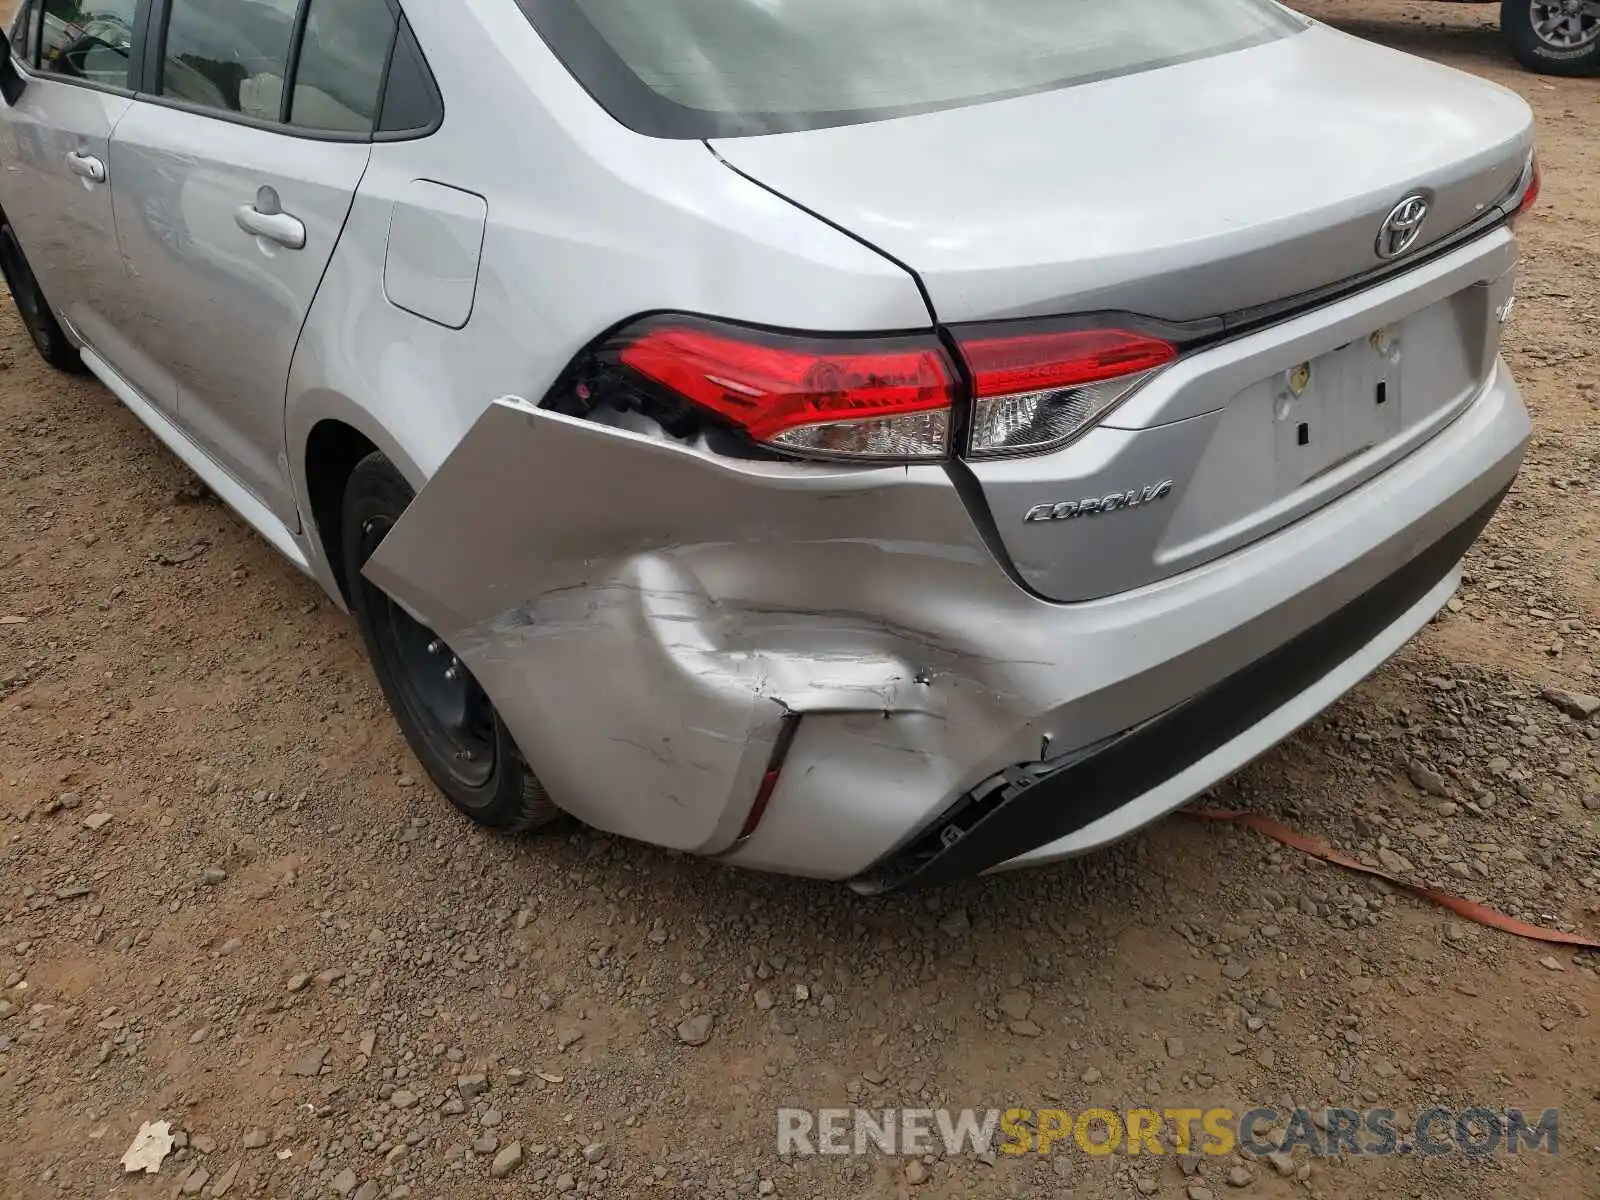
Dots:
(49, 339)
(1570, 47)
(447, 719)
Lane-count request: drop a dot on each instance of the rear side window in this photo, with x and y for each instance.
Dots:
(90, 40)
(701, 68)
(229, 54)
(338, 82)
(411, 103)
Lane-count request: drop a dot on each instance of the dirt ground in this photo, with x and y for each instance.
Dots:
(283, 943)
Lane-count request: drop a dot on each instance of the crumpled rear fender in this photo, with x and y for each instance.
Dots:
(645, 615)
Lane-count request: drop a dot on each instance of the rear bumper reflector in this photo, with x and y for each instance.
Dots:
(769, 778)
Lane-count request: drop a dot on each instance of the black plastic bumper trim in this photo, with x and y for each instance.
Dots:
(1028, 807)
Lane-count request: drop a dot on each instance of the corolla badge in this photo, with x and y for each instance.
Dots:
(1403, 226)
(1094, 506)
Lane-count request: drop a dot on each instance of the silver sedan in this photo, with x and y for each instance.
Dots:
(873, 439)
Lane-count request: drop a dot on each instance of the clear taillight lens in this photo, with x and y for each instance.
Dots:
(880, 398)
(1527, 189)
(1036, 391)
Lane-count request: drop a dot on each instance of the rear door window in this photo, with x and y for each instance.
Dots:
(702, 68)
(338, 82)
(229, 54)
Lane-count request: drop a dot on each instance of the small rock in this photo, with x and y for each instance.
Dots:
(345, 1182)
(403, 1099)
(255, 1139)
(214, 876)
(367, 1191)
(594, 1152)
(1577, 705)
(1024, 1029)
(1090, 1076)
(1175, 1047)
(916, 1174)
(298, 981)
(956, 923)
(1551, 963)
(195, 1181)
(310, 1063)
(1428, 780)
(225, 1182)
(696, 1031)
(97, 820)
(1240, 1177)
(487, 1144)
(1235, 970)
(507, 1161)
(472, 1085)
(1016, 1004)
(1281, 1163)
(1395, 864)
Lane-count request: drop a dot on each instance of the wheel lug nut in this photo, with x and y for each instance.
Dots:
(435, 646)
(452, 673)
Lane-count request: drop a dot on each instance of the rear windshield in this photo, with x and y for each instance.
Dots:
(707, 68)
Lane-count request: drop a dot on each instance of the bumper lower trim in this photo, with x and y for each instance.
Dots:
(1032, 804)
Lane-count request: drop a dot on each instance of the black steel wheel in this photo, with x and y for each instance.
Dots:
(446, 717)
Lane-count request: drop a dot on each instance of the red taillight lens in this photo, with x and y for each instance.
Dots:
(1530, 190)
(868, 398)
(1004, 366)
(1038, 390)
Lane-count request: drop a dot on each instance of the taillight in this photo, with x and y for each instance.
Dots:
(1025, 387)
(1528, 186)
(881, 398)
(1035, 391)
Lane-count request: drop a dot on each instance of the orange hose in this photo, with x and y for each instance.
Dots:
(1481, 914)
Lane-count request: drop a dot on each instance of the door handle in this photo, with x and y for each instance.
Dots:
(87, 166)
(266, 218)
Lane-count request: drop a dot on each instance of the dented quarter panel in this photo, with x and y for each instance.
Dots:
(646, 649)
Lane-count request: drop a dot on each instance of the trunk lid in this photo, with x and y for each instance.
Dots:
(1207, 192)
(1182, 192)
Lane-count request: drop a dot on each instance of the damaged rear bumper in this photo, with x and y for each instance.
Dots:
(650, 621)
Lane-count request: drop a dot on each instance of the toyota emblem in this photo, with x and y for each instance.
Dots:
(1402, 226)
